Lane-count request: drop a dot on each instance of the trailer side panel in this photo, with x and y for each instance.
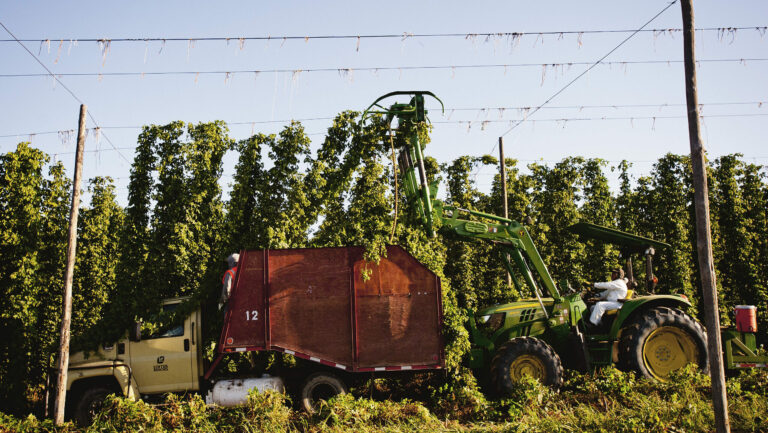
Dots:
(244, 325)
(330, 306)
(309, 303)
(398, 312)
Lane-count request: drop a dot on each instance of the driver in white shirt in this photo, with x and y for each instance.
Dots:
(612, 291)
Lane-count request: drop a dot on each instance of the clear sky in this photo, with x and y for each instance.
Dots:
(610, 111)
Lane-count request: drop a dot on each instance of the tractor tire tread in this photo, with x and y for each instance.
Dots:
(633, 337)
(524, 345)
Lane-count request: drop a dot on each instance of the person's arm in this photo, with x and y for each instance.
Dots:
(614, 290)
(610, 285)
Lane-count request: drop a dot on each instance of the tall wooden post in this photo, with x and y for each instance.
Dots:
(66, 310)
(503, 168)
(703, 232)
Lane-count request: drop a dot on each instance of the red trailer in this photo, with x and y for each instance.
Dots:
(331, 307)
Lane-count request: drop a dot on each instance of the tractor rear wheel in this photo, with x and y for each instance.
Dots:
(661, 341)
(525, 356)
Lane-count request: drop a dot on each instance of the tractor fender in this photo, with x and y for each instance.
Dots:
(635, 307)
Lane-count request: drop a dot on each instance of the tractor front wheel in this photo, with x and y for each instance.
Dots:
(523, 356)
(661, 341)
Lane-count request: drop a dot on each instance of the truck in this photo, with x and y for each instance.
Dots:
(343, 317)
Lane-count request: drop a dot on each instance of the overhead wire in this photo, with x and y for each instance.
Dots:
(721, 30)
(587, 106)
(592, 66)
(562, 89)
(576, 119)
(90, 114)
(345, 70)
(402, 36)
(456, 122)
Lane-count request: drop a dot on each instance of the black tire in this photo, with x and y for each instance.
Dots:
(318, 387)
(662, 340)
(525, 355)
(89, 404)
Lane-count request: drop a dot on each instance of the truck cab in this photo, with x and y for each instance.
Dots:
(137, 366)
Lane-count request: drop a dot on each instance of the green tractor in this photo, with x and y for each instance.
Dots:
(651, 334)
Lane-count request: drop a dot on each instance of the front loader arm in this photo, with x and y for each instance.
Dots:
(436, 216)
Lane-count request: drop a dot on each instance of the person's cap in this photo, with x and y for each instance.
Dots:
(618, 271)
(233, 259)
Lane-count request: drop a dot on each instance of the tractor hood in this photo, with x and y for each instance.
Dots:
(515, 307)
(522, 310)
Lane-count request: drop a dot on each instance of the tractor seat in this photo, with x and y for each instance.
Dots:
(630, 293)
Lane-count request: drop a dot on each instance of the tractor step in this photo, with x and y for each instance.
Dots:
(600, 350)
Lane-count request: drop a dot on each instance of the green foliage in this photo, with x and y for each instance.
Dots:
(740, 202)
(176, 230)
(347, 413)
(33, 224)
(665, 206)
(556, 194)
(95, 278)
(599, 208)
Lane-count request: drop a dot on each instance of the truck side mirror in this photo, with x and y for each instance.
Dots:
(134, 332)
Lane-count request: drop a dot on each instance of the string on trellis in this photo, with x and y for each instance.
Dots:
(104, 45)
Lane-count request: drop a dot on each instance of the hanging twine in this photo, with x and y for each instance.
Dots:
(394, 170)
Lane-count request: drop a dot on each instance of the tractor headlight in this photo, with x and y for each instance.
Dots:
(491, 322)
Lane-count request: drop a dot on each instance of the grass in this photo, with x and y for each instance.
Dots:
(607, 401)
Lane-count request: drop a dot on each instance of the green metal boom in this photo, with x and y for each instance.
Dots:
(517, 245)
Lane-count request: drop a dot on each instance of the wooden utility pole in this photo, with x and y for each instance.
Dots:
(503, 167)
(703, 232)
(66, 310)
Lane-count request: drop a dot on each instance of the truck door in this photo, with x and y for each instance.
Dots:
(164, 362)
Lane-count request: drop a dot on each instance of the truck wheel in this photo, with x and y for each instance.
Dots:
(318, 387)
(89, 404)
(525, 356)
(661, 341)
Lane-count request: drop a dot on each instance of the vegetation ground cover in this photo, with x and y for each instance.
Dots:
(608, 401)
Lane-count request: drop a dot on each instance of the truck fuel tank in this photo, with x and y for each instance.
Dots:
(234, 392)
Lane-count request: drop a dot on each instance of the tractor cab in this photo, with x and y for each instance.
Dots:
(629, 245)
(608, 343)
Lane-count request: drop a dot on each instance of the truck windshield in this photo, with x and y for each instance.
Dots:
(176, 331)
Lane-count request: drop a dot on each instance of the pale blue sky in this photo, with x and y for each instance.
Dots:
(35, 104)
